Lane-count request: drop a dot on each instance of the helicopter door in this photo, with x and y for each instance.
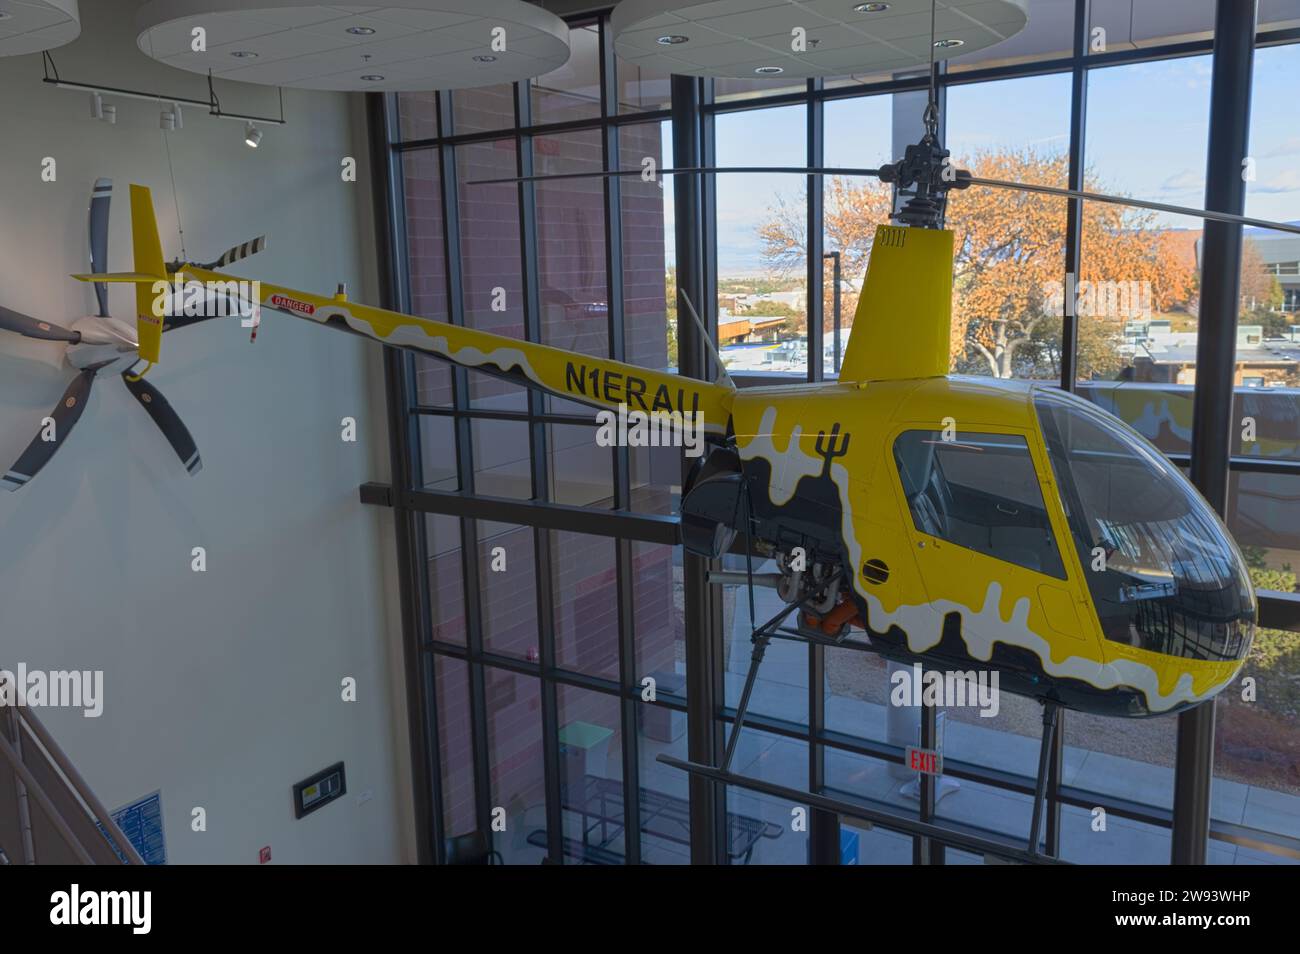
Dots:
(976, 517)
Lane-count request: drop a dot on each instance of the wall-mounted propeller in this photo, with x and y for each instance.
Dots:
(31, 328)
(100, 346)
(54, 431)
(100, 199)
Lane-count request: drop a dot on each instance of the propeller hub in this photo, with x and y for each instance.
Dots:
(923, 177)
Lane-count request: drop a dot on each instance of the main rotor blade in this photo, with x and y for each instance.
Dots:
(31, 328)
(100, 199)
(650, 175)
(1139, 203)
(52, 434)
(168, 421)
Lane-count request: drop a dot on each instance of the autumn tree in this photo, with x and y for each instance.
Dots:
(1008, 293)
(1261, 293)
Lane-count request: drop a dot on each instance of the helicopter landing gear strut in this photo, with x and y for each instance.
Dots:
(761, 638)
(1051, 725)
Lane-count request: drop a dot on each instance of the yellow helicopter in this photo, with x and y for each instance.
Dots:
(963, 522)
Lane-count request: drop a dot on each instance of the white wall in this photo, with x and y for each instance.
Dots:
(222, 688)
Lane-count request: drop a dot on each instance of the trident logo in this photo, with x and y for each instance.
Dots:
(829, 449)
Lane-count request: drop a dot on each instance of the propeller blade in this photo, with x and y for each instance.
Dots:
(238, 252)
(41, 449)
(100, 199)
(168, 421)
(685, 170)
(1139, 203)
(31, 328)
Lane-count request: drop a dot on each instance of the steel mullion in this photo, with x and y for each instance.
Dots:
(541, 129)
(520, 417)
(824, 827)
(422, 718)
(614, 292)
(470, 587)
(1074, 207)
(814, 207)
(1070, 347)
(543, 583)
(1221, 252)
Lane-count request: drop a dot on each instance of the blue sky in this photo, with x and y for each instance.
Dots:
(1146, 137)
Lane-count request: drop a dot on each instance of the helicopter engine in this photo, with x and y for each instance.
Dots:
(723, 493)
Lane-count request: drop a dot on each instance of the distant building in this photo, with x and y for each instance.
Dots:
(1280, 253)
(748, 330)
(1169, 357)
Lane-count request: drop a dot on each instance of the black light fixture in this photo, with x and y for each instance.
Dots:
(361, 31)
(672, 39)
(871, 7)
(769, 70)
(948, 44)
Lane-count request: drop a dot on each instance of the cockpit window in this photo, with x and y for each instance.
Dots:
(1163, 573)
(979, 491)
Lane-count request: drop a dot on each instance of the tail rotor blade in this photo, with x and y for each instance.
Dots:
(53, 433)
(31, 328)
(238, 252)
(168, 421)
(100, 199)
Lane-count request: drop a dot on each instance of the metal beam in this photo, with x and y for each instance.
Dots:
(701, 612)
(872, 816)
(421, 713)
(816, 267)
(1216, 349)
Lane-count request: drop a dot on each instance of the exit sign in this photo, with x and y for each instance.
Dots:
(925, 761)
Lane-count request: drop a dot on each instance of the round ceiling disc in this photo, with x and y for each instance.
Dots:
(33, 26)
(805, 38)
(401, 45)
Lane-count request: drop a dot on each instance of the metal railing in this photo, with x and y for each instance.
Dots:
(48, 814)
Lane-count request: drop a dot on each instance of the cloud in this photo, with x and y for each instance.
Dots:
(1287, 181)
(1184, 181)
(1287, 147)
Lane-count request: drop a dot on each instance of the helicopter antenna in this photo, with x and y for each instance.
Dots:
(708, 340)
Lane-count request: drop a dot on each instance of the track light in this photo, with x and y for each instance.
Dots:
(96, 106)
(170, 119)
(252, 136)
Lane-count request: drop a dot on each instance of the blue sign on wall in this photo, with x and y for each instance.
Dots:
(848, 846)
(142, 823)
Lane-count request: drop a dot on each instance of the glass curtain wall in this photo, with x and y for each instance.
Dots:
(540, 647)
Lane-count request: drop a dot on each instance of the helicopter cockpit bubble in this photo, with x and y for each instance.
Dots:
(1163, 572)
